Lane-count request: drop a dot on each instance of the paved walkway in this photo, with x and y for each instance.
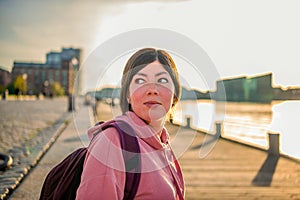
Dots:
(73, 136)
(23, 120)
(26, 129)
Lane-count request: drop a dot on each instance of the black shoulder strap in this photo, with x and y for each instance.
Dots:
(132, 159)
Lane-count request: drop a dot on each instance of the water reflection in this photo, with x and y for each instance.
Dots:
(201, 114)
(286, 121)
(248, 122)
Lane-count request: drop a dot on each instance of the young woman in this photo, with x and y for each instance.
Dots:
(150, 88)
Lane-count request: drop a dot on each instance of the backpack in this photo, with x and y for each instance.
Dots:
(64, 179)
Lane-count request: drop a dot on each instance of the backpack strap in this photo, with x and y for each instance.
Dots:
(131, 154)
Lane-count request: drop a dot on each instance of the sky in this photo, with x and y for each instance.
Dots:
(241, 37)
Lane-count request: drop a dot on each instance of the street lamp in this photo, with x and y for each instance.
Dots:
(71, 97)
(46, 84)
(24, 86)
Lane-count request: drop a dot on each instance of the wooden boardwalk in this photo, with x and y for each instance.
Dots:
(235, 171)
(230, 170)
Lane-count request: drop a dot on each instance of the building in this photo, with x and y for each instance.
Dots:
(61, 67)
(290, 93)
(246, 89)
(5, 78)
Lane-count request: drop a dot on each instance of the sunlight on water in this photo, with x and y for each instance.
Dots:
(202, 114)
(247, 122)
(286, 121)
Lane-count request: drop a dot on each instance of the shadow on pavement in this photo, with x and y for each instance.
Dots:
(265, 174)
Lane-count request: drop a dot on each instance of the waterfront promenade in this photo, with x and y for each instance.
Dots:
(71, 138)
(235, 171)
(27, 127)
(230, 170)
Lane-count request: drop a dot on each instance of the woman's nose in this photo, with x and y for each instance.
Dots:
(152, 89)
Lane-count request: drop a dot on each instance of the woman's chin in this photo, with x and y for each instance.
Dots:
(157, 114)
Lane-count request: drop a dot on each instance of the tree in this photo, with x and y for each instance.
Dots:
(11, 89)
(20, 85)
(56, 89)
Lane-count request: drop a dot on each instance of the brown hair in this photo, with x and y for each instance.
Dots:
(138, 61)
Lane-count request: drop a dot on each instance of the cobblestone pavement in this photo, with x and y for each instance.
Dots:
(25, 130)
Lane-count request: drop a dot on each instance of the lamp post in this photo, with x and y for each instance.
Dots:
(71, 97)
(24, 85)
(46, 84)
(71, 100)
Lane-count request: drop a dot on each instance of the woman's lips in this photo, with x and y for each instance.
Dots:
(152, 103)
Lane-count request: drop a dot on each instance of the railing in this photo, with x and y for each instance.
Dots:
(273, 137)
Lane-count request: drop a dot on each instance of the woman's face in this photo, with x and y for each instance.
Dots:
(151, 92)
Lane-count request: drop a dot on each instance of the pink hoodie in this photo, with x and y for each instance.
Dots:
(103, 175)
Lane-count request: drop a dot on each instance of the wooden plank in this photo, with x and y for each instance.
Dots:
(236, 171)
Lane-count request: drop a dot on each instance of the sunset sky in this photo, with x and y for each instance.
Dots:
(242, 37)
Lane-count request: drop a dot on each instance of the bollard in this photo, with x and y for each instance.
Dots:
(218, 128)
(113, 102)
(188, 122)
(71, 103)
(274, 141)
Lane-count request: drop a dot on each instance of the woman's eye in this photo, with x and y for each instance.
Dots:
(139, 81)
(163, 80)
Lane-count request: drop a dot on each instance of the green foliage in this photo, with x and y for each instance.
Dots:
(20, 85)
(11, 89)
(57, 90)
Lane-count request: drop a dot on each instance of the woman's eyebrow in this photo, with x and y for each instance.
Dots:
(161, 73)
(158, 74)
(141, 74)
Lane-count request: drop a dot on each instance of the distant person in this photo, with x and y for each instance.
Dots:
(17, 91)
(150, 88)
(3, 95)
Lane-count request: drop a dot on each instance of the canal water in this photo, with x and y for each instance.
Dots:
(247, 122)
